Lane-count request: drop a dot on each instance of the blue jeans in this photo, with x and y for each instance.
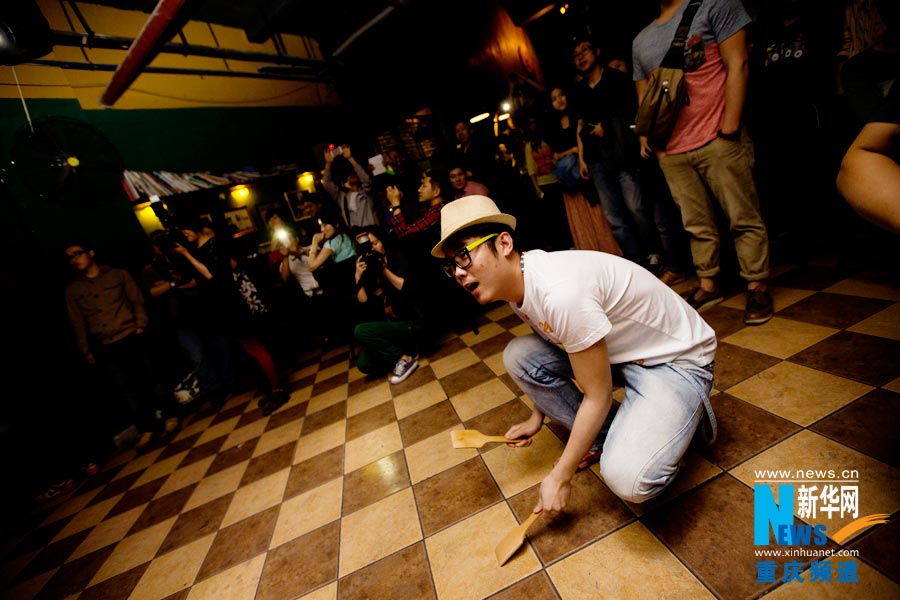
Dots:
(646, 438)
(630, 219)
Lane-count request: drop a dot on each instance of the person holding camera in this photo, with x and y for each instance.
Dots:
(389, 340)
(352, 192)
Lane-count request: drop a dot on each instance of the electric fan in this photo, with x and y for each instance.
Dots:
(68, 162)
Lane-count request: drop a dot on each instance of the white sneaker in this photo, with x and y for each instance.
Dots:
(404, 369)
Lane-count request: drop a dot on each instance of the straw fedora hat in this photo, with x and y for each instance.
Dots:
(468, 211)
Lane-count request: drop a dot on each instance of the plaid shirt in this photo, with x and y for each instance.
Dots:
(429, 218)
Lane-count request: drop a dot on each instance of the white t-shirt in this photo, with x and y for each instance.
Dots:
(578, 297)
(299, 266)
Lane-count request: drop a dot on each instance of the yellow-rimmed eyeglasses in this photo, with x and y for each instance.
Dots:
(463, 258)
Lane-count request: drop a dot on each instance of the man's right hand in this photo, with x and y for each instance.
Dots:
(525, 429)
(646, 150)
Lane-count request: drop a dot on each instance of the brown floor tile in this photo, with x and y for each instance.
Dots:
(744, 430)
(864, 358)
(810, 278)
(833, 310)
(362, 384)
(879, 548)
(333, 360)
(286, 415)
(510, 321)
(239, 542)
(593, 512)
(466, 379)
(329, 384)
(454, 494)
(498, 420)
(137, 496)
(870, 425)
(446, 348)
(404, 574)
(116, 588)
(301, 565)
(196, 523)
(232, 456)
(71, 578)
(375, 481)
(163, 508)
(54, 555)
(535, 587)
(492, 345)
(210, 448)
(370, 420)
(324, 417)
(117, 487)
(507, 379)
(735, 364)
(420, 377)
(268, 463)
(226, 414)
(38, 538)
(178, 447)
(315, 471)
(250, 416)
(427, 422)
(723, 320)
(302, 383)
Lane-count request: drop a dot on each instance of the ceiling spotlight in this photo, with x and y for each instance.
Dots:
(505, 106)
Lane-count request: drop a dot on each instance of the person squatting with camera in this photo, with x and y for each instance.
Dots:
(391, 322)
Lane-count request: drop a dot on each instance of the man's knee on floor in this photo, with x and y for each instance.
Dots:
(628, 481)
(364, 332)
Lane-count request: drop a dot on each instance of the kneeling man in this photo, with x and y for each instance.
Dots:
(592, 314)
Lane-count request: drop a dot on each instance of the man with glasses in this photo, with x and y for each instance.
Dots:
(594, 316)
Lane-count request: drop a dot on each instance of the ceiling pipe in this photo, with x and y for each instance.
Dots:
(142, 51)
(263, 73)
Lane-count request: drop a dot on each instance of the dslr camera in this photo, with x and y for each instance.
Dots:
(373, 260)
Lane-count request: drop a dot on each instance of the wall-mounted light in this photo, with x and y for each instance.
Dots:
(307, 182)
(503, 117)
(480, 117)
(240, 193)
(563, 9)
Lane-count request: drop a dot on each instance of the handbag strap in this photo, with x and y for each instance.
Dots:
(674, 58)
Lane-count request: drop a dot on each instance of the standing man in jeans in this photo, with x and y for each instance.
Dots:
(708, 161)
(594, 315)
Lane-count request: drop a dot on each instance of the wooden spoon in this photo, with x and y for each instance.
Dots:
(472, 438)
(512, 540)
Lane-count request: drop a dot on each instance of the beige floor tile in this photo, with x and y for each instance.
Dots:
(278, 437)
(501, 312)
(217, 485)
(609, 569)
(517, 469)
(172, 572)
(186, 476)
(194, 428)
(28, 590)
(305, 372)
(453, 363)
(379, 529)
(68, 508)
(696, 470)
(256, 497)
(419, 399)
(238, 399)
(327, 592)
(866, 289)
(798, 393)
(485, 332)
(883, 324)
(333, 370)
(523, 329)
(780, 337)
(879, 484)
(481, 398)
(320, 440)
(871, 584)
(141, 462)
(217, 431)
(893, 386)
(239, 581)
(11, 568)
(495, 363)
(308, 511)
(781, 298)
(343, 349)
(435, 454)
(160, 469)
(462, 557)
(299, 396)
(245, 433)
(355, 374)
(88, 517)
(134, 550)
(108, 532)
(370, 398)
(329, 398)
(372, 446)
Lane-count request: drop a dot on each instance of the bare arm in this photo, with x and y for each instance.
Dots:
(592, 371)
(641, 88)
(869, 178)
(734, 56)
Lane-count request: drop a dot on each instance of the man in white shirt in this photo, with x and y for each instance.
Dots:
(592, 313)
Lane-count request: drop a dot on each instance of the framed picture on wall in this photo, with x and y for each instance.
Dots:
(300, 208)
(263, 210)
(239, 222)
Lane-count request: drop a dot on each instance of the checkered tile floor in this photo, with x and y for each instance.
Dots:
(352, 490)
